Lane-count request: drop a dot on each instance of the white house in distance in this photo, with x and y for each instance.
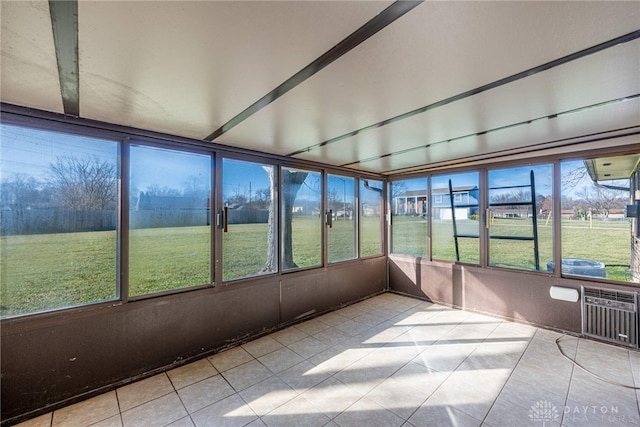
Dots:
(413, 202)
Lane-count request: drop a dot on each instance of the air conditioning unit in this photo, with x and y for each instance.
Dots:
(610, 315)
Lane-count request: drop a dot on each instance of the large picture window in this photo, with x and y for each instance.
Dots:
(596, 235)
(58, 234)
(301, 219)
(520, 217)
(455, 218)
(409, 209)
(371, 215)
(169, 220)
(249, 242)
(341, 200)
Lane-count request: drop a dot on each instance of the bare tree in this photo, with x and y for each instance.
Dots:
(335, 200)
(573, 178)
(196, 186)
(291, 183)
(271, 263)
(263, 198)
(22, 191)
(84, 183)
(398, 188)
(603, 200)
(240, 197)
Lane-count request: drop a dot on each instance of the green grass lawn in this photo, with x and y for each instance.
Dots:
(306, 242)
(607, 242)
(245, 250)
(518, 253)
(245, 245)
(162, 259)
(370, 236)
(409, 235)
(41, 272)
(45, 271)
(342, 240)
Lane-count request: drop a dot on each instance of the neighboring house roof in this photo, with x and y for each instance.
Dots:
(169, 202)
(437, 191)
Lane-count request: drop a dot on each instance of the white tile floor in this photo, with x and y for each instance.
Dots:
(386, 361)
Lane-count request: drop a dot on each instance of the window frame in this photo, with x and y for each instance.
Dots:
(219, 207)
(355, 213)
(481, 206)
(322, 207)
(391, 208)
(61, 128)
(544, 162)
(382, 216)
(122, 136)
(125, 214)
(581, 157)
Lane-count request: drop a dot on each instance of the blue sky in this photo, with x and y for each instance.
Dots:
(167, 168)
(343, 187)
(543, 177)
(457, 180)
(240, 176)
(31, 151)
(497, 178)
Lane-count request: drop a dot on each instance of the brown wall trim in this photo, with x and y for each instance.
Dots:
(510, 294)
(58, 358)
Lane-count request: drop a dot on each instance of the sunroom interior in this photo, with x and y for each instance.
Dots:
(179, 178)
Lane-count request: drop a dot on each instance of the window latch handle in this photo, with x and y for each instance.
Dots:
(329, 218)
(222, 219)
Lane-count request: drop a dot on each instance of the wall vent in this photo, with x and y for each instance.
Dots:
(610, 315)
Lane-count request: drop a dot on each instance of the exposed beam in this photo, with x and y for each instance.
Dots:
(496, 129)
(64, 23)
(521, 75)
(380, 21)
(498, 155)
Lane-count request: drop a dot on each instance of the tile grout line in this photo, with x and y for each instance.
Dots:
(371, 330)
(346, 385)
(484, 420)
(369, 327)
(461, 363)
(175, 389)
(119, 410)
(447, 377)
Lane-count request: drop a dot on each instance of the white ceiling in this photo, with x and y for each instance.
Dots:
(188, 68)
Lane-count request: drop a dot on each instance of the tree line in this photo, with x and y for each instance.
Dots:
(87, 183)
(72, 183)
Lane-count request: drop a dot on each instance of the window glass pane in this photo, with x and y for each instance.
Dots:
(455, 227)
(59, 217)
(301, 218)
(341, 200)
(596, 235)
(249, 245)
(169, 221)
(520, 220)
(409, 217)
(371, 224)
